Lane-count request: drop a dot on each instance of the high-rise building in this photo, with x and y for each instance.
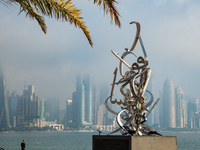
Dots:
(80, 98)
(169, 113)
(101, 115)
(62, 113)
(4, 108)
(160, 105)
(187, 99)
(53, 109)
(104, 93)
(94, 106)
(180, 107)
(69, 114)
(82, 101)
(42, 109)
(88, 97)
(192, 113)
(28, 110)
(12, 107)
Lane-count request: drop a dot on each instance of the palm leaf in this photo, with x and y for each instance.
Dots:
(59, 9)
(62, 10)
(109, 7)
(26, 7)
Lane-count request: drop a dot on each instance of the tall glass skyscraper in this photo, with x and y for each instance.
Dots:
(12, 107)
(80, 98)
(169, 114)
(160, 105)
(28, 111)
(192, 112)
(82, 101)
(42, 109)
(88, 97)
(4, 111)
(180, 107)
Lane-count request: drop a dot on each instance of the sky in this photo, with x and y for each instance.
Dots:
(170, 30)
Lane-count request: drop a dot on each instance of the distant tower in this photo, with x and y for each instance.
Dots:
(53, 109)
(82, 101)
(160, 105)
(28, 110)
(80, 98)
(94, 105)
(180, 107)
(69, 113)
(88, 97)
(13, 105)
(4, 111)
(169, 114)
(42, 109)
(104, 94)
(192, 112)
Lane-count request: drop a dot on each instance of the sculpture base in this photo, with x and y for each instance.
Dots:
(119, 142)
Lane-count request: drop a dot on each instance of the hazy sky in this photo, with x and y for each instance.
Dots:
(170, 30)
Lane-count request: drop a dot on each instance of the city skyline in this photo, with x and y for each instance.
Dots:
(175, 109)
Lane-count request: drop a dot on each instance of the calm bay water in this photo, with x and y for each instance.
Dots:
(78, 140)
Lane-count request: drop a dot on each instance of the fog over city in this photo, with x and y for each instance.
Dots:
(170, 30)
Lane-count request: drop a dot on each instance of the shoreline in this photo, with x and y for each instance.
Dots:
(91, 131)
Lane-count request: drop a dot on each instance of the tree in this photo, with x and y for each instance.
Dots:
(62, 10)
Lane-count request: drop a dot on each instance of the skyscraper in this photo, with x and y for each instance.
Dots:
(160, 105)
(169, 114)
(180, 107)
(42, 109)
(53, 109)
(88, 97)
(69, 114)
(104, 93)
(82, 101)
(4, 109)
(12, 107)
(192, 112)
(28, 111)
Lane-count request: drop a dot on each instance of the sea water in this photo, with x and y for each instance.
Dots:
(78, 140)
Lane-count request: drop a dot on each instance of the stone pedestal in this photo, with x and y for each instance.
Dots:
(118, 142)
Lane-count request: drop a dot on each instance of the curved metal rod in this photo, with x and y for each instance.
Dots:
(137, 34)
(143, 49)
(153, 107)
(147, 81)
(122, 88)
(118, 119)
(120, 64)
(109, 109)
(137, 77)
(151, 100)
(129, 121)
(116, 54)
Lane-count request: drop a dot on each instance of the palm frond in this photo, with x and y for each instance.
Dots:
(26, 7)
(62, 10)
(109, 7)
(59, 9)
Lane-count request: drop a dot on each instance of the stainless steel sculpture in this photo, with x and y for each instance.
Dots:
(135, 106)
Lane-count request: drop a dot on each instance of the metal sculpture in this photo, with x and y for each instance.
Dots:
(135, 105)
